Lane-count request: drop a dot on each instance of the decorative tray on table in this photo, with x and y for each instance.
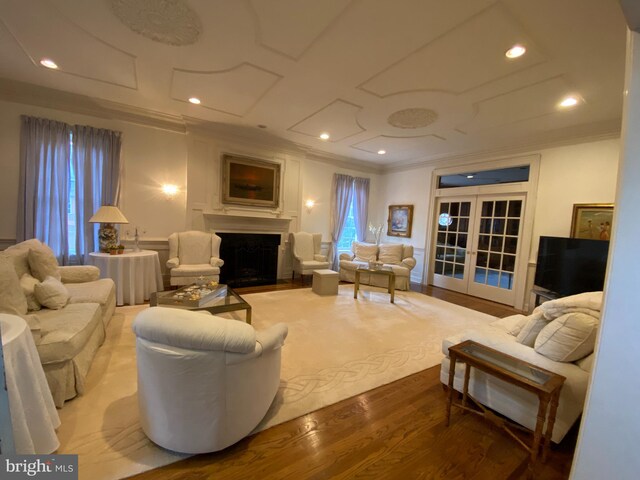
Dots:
(193, 295)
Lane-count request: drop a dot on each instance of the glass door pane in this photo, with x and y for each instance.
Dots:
(496, 249)
(450, 261)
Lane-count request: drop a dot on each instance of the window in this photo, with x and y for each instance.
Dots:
(349, 232)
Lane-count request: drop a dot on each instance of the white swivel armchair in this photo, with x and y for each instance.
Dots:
(204, 382)
(192, 255)
(305, 248)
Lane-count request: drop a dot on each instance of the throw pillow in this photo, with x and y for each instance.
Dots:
(568, 338)
(390, 253)
(51, 293)
(28, 284)
(512, 325)
(20, 260)
(43, 263)
(366, 252)
(531, 329)
(12, 299)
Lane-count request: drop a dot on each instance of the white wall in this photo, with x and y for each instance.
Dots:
(607, 444)
(583, 173)
(150, 157)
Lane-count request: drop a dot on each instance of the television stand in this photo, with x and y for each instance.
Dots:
(546, 294)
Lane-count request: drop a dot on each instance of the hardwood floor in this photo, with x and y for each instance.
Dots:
(394, 431)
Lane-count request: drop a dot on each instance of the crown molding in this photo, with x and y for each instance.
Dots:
(29, 94)
(607, 130)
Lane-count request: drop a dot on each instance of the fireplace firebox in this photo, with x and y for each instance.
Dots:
(249, 259)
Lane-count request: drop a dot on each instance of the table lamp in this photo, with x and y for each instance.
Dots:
(107, 216)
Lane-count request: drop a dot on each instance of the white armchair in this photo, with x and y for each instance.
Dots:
(204, 382)
(305, 249)
(194, 254)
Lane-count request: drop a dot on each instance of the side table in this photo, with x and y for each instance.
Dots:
(543, 383)
(136, 274)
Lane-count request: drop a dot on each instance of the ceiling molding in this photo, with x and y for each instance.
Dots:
(610, 133)
(26, 93)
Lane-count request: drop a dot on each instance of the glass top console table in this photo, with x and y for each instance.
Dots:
(543, 383)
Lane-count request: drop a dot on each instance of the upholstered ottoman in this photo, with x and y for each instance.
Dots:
(325, 282)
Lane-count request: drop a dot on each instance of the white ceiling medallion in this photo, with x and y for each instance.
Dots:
(412, 118)
(171, 22)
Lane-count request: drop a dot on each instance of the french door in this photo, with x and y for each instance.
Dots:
(477, 245)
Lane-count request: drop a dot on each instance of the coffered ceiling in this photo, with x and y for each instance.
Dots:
(418, 79)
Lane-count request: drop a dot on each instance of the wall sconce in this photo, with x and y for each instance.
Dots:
(170, 190)
(309, 204)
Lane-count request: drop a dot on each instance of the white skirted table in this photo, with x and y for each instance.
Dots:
(34, 417)
(136, 274)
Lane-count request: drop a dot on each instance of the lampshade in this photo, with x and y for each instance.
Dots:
(108, 214)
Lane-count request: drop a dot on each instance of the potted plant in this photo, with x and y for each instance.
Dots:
(113, 250)
(120, 249)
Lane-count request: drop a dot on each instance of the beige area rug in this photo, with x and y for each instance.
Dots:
(337, 347)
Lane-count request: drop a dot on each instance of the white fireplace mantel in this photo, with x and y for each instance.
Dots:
(221, 222)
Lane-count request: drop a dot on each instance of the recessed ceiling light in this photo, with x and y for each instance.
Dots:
(569, 102)
(515, 51)
(47, 62)
(194, 100)
(381, 152)
(470, 176)
(324, 136)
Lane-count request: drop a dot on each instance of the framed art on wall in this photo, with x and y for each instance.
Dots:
(592, 220)
(249, 181)
(400, 220)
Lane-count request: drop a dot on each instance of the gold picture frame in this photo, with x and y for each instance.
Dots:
(400, 220)
(592, 221)
(249, 181)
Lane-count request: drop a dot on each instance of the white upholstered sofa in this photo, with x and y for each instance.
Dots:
(551, 337)
(398, 256)
(194, 254)
(204, 382)
(70, 325)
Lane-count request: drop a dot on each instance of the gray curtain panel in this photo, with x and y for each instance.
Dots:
(361, 206)
(96, 163)
(44, 183)
(341, 192)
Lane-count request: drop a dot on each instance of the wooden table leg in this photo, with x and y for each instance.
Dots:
(392, 287)
(537, 434)
(465, 391)
(552, 420)
(249, 315)
(452, 373)
(357, 285)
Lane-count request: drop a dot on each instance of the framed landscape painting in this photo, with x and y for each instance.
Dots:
(249, 181)
(592, 220)
(400, 220)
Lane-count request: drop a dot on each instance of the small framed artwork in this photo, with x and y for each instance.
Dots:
(400, 220)
(592, 220)
(249, 181)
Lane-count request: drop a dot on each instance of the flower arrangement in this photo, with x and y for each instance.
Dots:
(376, 231)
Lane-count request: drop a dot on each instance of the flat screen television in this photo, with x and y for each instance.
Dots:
(567, 266)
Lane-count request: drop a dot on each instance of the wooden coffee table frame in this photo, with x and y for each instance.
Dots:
(548, 393)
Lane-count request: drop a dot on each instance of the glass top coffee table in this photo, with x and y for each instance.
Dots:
(387, 271)
(231, 302)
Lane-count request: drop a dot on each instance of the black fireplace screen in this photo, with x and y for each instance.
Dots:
(249, 259)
